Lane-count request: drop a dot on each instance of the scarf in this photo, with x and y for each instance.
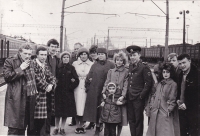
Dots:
(30, 78)
(111, 96)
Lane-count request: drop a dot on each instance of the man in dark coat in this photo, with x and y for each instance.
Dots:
(20, 95)
(52, 63)
(188, 96)
(139, 85)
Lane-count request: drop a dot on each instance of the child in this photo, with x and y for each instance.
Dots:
(163, 118)
(111, 112)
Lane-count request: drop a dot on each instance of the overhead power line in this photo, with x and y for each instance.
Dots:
(78, 4)
(92, 13)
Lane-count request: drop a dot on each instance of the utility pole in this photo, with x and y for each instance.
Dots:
(187, 32)
(1, 32)
(184, 46)
(94, 38)
(61, 26)
(167, 31)
(108, 40)
(150, 42)
(146, 43)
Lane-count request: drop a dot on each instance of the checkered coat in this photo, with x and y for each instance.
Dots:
(43, 78)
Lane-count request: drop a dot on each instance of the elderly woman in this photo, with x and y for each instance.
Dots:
(64, 95)
(94, 86)
(119, 76)
(82, 67)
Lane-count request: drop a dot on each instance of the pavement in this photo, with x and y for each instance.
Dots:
(68, 129)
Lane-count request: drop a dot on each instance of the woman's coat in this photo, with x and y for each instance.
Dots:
(64, 95)
(164, 118)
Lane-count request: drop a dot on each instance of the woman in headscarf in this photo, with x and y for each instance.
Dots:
(82, 67)
(94, 86)
(64, 95)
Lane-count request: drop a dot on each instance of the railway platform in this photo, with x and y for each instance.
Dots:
(68, 129)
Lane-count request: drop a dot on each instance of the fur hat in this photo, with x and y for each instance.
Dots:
(93, 49)
(102, 50)
(65, 53)
(81, 50)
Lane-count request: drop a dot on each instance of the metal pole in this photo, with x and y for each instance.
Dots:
(184, 46)
(61, 26)
(146, 43)
(108, 40)
(187, 33)
(167, 31)
(1, 32)
(150, 42)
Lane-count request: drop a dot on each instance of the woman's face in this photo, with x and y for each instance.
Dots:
(93, 55)
(101, 56)
(166, 74)
(119, 62)
(65, 59)
(84, 56)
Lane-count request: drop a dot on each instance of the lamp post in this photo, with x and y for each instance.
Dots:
(187, 26)
(183, 12)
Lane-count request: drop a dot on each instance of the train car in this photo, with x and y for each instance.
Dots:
(9, 46)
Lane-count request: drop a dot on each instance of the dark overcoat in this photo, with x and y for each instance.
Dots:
(163, 115)
(94, 86)
(64, 95)
(15, 100)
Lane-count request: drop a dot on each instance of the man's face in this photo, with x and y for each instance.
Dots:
(173, 61)
(58, 52)
(42, 56)
(26, 54)
(76, 47)
(52, 49)
(184, 64)
(135, 57)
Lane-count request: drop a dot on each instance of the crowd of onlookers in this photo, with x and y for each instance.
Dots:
(43, 90)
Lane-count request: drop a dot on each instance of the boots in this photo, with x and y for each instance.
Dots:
(90, 126)
(97, 131)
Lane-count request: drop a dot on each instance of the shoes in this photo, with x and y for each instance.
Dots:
(55, 131)
(62, 132)
(80, 130)
(90, 126)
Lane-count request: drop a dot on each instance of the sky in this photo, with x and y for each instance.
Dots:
(39, 20)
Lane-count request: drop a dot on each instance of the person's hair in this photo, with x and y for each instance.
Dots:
(171, 55)
(52, 41)
(82, 53)
(121, 55)
(93, 49)
(25, 46)
(40, 48)
(183, 56)
(169, 67)
(111, 85)
(78, 44)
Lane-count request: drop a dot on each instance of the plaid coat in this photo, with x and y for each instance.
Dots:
(43, 79)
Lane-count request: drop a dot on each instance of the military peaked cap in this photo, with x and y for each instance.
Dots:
(133, 49)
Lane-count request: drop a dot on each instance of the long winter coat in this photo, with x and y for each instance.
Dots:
(15, 100)
(94, 86)
(64, 95)
(119, 76)
(82, 69)
(164, 118)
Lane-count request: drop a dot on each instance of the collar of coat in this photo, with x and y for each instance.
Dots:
(167, 81)
(62, 65)
(120, 69)
(40, 64)
(88, 62)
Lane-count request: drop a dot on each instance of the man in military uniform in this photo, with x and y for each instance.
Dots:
(139, 84)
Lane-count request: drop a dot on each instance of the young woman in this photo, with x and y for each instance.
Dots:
(64, 94)
(163, 116)
(119, 76)
(82, 67)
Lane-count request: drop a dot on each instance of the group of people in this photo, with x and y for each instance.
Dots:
(46, 89)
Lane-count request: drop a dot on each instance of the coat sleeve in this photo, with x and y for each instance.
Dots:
(11, 74)
(172, 97)
(125, 85)
(74, 84)
(108, 79)
(89, 78)
(147, 80)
